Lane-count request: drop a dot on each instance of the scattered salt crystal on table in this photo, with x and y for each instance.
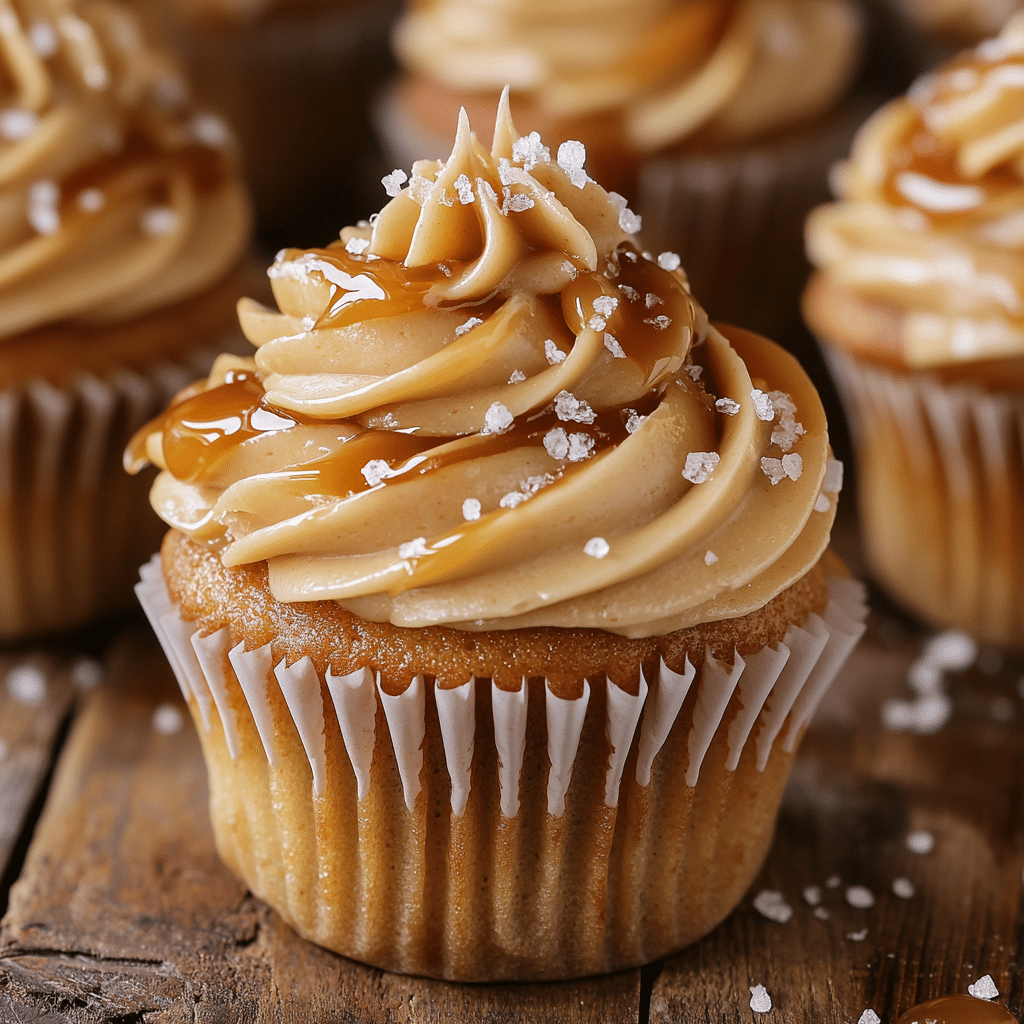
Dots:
(903, 888)
(983, 988)
(772, 904)
(821, 913)
(833, 882)
(920, 842)
(860, 897)
(812, 895)
(858, 936)
(760, 1001)
(952, 650)
(869, 1017)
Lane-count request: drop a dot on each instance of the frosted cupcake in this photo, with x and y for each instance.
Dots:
(718, 120)
(294, 79)
(122, 222)
(920, 305)
(498, 583)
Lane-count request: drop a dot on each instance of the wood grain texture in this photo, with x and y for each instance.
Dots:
(35, 697)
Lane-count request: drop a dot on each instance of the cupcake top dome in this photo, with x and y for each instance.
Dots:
(670, 68)
(116, 197)
(488, 408)
(930, 218)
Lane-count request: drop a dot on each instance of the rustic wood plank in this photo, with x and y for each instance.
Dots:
(36, 692)
(124, 909)
(857, 792)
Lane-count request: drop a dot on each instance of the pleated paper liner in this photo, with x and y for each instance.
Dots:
(940, 469)
(474, 833)
(73, 525)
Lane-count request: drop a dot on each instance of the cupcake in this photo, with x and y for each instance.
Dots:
(498, 583)
(712, 118)
(122, 231)
(294, 79)
(919, 303)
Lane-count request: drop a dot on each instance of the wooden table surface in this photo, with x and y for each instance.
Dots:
(118, 909)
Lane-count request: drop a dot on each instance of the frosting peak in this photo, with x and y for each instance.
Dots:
(489, 408)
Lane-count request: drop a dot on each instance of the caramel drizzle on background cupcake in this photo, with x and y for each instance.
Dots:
(488, 408)
(115, 196)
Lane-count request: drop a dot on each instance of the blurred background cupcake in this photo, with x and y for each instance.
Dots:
(717, 121)
(294, 78)
(123, 227)
(919, 302)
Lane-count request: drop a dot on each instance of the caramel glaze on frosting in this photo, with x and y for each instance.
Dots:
(673, 69)
(115, 197)
(488, 409)
(930, 222)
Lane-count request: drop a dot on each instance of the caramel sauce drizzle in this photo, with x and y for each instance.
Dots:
(957, 1009)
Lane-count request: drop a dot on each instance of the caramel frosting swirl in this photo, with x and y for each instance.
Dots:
(487, 408)
(115, 197)
(732, 69)
(931, 217)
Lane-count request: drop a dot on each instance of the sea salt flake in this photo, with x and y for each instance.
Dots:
(416, 548)
(951, 649)
(357, 246)
(923, 716)
(700, 466)
(763, 407)
(858, 936)
(581, 446)
(629, 291)
(772, 904)
(924, 677)
(530, 151)
(572, 155)
(596, 547)
(210, 130)
(612, 344)
(710, 558)
(860, 897)
(45, 220)
(485, 188)
(793, 465)
(556, 443)
(394, 181)
(833, 882)
(651, 300)
(727, 406)
(983, 988)
(669, 261)
(17, 124)
(633, 421)
(376, 471)
(869, 1017)
(760, 1001)
(86, 673)
(513, 499)
(167, 720)
(96, 76)
(812, 895)
(158, 220)
(26, 684)
(659, 323)
(473, 321)
(464, 187)
(833, 482)
(444, 199)
(606, 305)
(822, 504)
(903, 888)
(553, 353)
(628, 220)
(43, 38)
(821, 914)
(91, 200)
(695, 372)
(597, 323)
(517, 377)
(471, 510)
(308, 322)
(773, 469)
(497, 419)
(571, 409)
(570, 269)
(518, 202)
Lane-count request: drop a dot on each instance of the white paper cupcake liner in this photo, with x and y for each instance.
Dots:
(73, 524)
(476, 834)
(941, 488)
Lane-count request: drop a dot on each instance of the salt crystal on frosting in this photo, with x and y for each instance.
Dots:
(376, 471)
(760, 1001)
(464, 187)
(471, 510)
(17, 124)
(833, 482)
(357, 246)
(552, 352)
(91, 200)
(596, 547)
(606, 305)
(983, 988)
(763, 405)
(793, 465)
(629, 221)
(517, 202)
(513, 499)
(569, 408)
(659, 323)
(497, 419)
(822, 504)
(633, 421)
(727, 406)
(612, 344)
(694, 371)
(700, 466)
(772, 904)
(860, 897)
(473, 321)
(710, 558)
(530, 151)
(629, 291)
(556, 443)
(572, 155)
(669, 261)
(597, 323)
(394, 181)
(773, 469)
(414, 548)
(581, 446)
(651, 300)
(517, 377)
(42, 38)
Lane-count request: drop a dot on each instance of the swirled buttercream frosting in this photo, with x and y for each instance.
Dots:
(732, 69)
(488, 408)
(931, 214)
(115, 196)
